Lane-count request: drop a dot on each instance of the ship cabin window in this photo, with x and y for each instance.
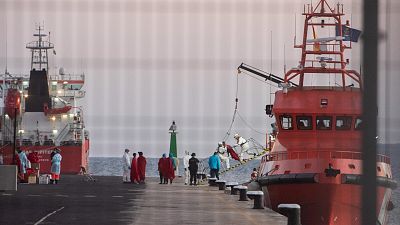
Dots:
(358, 124)
(343, 122)
(286, 122)
(304, 122)
(324, 122)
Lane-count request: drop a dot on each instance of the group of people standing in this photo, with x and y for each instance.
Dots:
(134, 170)
(24, 163)
(224, 152)
(167, 168)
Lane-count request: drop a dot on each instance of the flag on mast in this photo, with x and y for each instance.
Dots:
(349, 34)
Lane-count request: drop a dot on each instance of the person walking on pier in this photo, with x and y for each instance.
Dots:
(193, 167)
(215, 164)
(134, 170)
(186, 159)
(56, 166)
(126, 166)
(141, 165)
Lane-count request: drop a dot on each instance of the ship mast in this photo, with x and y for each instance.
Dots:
(322, 48)
(39, 58)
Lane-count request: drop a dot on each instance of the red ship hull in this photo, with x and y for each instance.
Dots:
(73, 157)
(324, 199)
(326, 204)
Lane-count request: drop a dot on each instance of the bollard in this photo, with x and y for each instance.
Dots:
(236, 189)
(231, 185)
(258, 198)
(243, 193)
(212, 182)
(292, 212)
(221, 184)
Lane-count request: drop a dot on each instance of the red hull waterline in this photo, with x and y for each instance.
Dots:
(324, 199)
(326, 204)
(74, 157)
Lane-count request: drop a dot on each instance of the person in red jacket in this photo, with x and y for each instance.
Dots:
(170, 168)
(141, 167)
(134, 170)
(163, 164)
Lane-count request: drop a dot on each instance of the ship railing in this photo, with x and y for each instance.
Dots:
(71, 93)
(326, 154)
(67, 77)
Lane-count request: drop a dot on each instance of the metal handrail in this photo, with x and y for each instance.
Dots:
(278, 156)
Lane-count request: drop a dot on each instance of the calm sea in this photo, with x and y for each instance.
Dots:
(112, 167)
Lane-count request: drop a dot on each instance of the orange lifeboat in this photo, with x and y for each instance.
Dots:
(56, 111)
(13, 101)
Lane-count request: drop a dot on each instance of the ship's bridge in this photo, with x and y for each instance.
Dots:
(315, 117)
(67, 85)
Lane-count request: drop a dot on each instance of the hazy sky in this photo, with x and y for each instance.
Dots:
(148, 62)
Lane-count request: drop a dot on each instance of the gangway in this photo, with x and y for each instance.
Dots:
(255, 147)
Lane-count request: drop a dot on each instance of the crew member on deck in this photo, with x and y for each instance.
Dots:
(244, 145)
(126, 166)
(254, 174)
(141, 165)
(134, 170)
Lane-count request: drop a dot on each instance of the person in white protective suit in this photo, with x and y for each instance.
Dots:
(186, 159)
(223, 154)
(126, 166)
(244, 146)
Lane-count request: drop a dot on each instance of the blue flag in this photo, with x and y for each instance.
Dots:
(349, 34)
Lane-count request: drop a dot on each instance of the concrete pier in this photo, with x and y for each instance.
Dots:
(109, 201)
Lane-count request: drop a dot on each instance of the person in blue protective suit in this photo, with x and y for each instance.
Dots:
(56, 166)
(23, 163)
(214, 163)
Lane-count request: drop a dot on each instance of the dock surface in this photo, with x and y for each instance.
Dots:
(109, 201)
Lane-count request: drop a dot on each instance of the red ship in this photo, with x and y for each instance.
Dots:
(315, 160)
(42, 112)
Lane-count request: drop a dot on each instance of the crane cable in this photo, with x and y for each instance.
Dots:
(236, 111)
(248, 125)
(228, 133)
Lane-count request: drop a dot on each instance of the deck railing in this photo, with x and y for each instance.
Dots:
(278, 156)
